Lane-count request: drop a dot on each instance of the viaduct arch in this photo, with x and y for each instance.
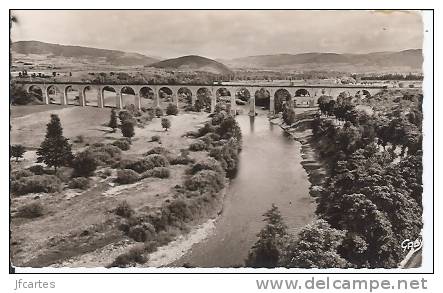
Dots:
(302, 95)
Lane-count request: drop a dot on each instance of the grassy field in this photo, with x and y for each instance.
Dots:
(75, 222)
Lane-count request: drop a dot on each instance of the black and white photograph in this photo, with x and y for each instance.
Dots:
(219, 139)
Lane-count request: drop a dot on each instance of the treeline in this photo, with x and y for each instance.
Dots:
(371, 202)
(393, 76)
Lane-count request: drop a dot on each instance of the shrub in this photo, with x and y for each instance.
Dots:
(171, 109)
(205, 181)
(166, 123)
(32, 210)
(17, 151)
(197, 145)
(156, 160)
(17, 174)
(127, 128)
(156, 150)
(79, 183)
(158, 172)
(37, 169)
(125, 116)
(124, 210)
(134, 256)
(84, 164)
(127, 176)
(35, 184)
(227, 155)
(104, 154)
(158, 112)
(206, 164)
(207, 128)
(180, 160)
(148, 163)
(142, 232)
(155, 138)
(124, 145)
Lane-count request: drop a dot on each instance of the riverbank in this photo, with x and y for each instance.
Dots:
(312, 163)
(79, 228)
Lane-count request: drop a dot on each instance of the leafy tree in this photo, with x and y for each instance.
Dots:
(113, 120)
(171, 109)
(125, 116)
(17, 151)
(84, 164)
(268, 249)
(127, 128)
(315, 247)
(166, 123)
(55, 150)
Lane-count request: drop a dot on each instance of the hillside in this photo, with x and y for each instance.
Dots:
(408, 60)
(193, 63)
(57, 54)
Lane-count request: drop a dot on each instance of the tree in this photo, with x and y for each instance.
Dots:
(113, 121)
(84, 164)
(315, 247)
(55, 150)
(166, 123)
(268, 249)
(171, 109)
(127, 128)
(17, 151)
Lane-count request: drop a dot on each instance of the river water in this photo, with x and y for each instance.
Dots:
(270, 171)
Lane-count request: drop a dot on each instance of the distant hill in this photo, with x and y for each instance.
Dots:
(80, 54)
(406, 60)
(193, 63)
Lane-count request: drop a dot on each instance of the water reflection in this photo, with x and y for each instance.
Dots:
(269, 172)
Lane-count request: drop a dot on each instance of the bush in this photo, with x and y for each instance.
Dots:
(158, 112)
(158, 172)
(17, 174)
(142, 232)
(32, 210)
(156, 150)
(79, 183)
(148, 163)
(37, 169)
(197, 145)
(127, 128)
(127, 176)
(104, 154)
(124, 210)
(172, 109)
(205, 181)
(180, 160)
(17, 151)
(206, 164)
(84, 164)
(156, 160)
(35, 184)
(155, 138)
(123, 144)
(134, 256)
(166, 123)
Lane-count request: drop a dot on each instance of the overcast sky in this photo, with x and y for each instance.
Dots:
(224, 34)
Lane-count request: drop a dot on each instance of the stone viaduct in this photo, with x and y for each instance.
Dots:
(302, 95)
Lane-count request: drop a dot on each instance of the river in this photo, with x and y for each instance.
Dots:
(270, 171)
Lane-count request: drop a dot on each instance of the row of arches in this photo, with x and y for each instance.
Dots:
(270, 98)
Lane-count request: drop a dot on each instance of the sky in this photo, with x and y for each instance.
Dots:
(223, 34)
